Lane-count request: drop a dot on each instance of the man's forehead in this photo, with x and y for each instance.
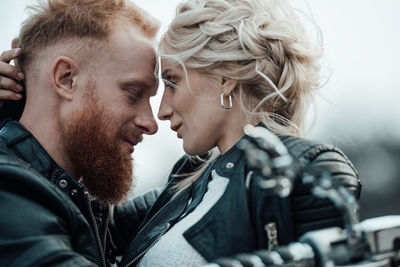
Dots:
(129, 34)
(133, 50)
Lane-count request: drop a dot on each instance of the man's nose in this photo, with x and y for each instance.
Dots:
(146, 122)
(149, 127)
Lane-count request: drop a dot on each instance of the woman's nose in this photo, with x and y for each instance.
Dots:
(165, 110)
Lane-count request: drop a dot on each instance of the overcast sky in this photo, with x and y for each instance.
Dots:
(362, 42)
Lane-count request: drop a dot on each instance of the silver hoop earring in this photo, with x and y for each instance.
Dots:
(223, 104)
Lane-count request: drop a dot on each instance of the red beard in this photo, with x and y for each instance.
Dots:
(93, 143)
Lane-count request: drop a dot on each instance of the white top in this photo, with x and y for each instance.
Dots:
(173, 249)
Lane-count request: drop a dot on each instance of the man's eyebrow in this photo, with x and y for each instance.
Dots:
(139, 84)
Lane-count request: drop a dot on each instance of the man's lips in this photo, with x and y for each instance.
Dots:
(131, 142)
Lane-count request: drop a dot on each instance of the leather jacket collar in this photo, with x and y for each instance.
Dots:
(26, 146)
(166, 212)
(225, 165)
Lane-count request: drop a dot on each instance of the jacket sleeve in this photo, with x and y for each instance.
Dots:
(127, 218)
(35, 224)
(310, 212)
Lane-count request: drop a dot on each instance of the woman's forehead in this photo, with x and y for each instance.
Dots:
(170, 68)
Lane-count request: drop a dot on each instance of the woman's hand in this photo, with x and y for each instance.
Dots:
(10, 76)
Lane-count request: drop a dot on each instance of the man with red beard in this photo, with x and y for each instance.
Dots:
(92, 138)
(90, 72)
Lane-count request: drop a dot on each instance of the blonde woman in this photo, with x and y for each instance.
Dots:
(227, 63)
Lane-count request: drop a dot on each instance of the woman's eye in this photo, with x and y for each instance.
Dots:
(170, 85)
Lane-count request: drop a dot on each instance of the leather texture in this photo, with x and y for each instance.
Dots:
(128, 217)
(46, 222)
(236, 222)
(40, 225)
(46, 219)
(325, 157)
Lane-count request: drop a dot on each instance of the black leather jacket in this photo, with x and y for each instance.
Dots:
(47, 218)
(233, 224)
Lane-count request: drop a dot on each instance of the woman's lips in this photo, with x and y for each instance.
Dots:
(178, 132)
(177, 129)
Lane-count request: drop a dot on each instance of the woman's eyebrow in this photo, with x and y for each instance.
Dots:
(165, 73)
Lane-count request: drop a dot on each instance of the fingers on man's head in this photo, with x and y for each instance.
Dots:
(9, 55)
(7, 83)
(7, 70)
(10, 95)
(14, 43)
(10, 76)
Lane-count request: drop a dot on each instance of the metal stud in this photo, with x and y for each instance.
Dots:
(62, 183)
(230, 165)
(74, 192)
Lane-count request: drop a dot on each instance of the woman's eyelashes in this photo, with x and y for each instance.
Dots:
(170, 83)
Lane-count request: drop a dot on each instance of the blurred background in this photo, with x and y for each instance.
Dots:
(357, 110)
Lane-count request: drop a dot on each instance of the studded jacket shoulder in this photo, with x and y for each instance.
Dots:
(236, 223)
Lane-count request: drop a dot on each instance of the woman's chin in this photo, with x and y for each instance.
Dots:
(189, 151)
(194, 151)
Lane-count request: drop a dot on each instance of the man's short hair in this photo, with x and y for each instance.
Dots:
(52, 21)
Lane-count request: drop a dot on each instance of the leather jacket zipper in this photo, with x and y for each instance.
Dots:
(163, 231)
(151, 245)
(105, 227)
(96, 230)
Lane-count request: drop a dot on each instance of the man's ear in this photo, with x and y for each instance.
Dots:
(228, 86)
(64, 77)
